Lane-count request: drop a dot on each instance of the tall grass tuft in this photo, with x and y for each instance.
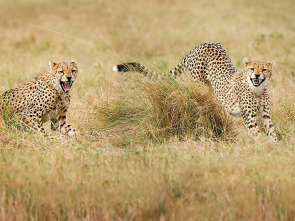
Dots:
(164, 108)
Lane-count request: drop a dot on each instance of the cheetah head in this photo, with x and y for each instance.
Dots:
(257, 73)
(65, 74)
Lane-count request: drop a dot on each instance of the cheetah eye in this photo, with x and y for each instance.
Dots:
(263, 70)
(252, 69)
(73, 71)
(61, 72)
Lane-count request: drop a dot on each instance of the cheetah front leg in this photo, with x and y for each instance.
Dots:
(249, 107)
(265, 117)
(59, 123)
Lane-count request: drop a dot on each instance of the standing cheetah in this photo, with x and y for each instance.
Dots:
(240, 93)
(44, 98)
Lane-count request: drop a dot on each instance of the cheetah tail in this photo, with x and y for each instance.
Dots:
(178, 70)
(135, 67)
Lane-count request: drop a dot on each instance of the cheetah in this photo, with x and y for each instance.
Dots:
(46, 97)
(242, 94)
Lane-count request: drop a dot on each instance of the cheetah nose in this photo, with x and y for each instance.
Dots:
(69, 78)
(257, 75)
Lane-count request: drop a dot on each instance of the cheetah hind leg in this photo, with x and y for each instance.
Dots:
(32, 122)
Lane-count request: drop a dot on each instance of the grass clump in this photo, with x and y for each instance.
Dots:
(165, 108)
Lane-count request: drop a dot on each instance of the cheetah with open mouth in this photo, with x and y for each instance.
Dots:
(240, 93)
(47, 97)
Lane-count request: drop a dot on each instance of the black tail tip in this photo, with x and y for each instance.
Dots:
(116, 68)
(125, 67)
(121, 68)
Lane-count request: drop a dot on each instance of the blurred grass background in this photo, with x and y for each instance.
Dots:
(126, 175)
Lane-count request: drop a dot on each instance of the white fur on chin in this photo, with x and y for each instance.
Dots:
(257, 90)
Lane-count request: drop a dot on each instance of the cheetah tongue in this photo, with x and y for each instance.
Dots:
(256, 81)
(67, 86)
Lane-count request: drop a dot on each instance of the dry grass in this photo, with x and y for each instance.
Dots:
(144, 163)
(159, 109)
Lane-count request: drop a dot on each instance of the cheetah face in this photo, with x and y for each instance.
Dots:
(257, 73)
(65, 74)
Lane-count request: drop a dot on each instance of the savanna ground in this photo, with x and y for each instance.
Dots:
(139, 155)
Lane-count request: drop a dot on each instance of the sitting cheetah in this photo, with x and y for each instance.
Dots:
(44, 98)
(241, 93)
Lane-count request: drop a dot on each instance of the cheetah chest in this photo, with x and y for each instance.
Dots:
(60, 106)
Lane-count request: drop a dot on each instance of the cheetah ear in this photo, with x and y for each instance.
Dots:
(272, 63)
(52, 65)
(246, 61)
(73, 62)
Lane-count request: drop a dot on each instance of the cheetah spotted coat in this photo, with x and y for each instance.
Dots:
(44, 98)
(240, 93)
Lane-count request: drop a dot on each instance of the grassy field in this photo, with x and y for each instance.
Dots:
(130, 161)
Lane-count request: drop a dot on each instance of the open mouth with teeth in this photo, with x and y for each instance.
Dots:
(66, 86)
(256, 82)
